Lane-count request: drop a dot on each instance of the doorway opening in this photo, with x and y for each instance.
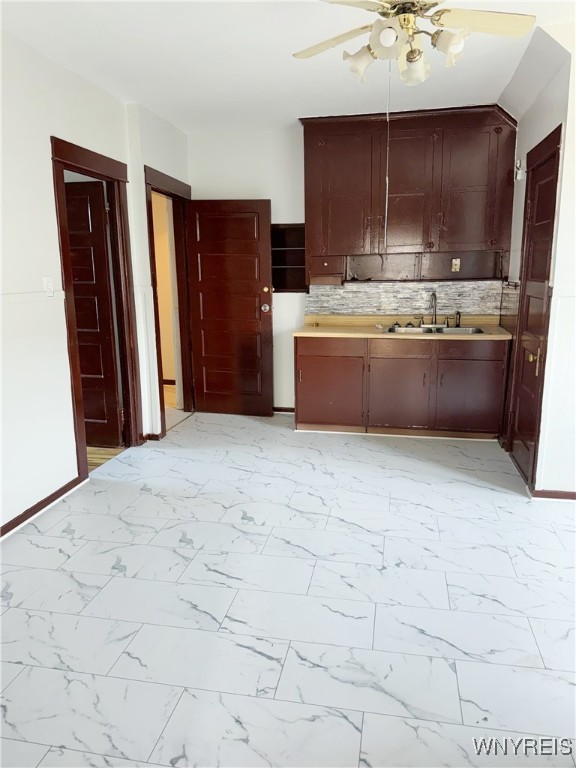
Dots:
(166, 200)
(168, 309)
(90, 197)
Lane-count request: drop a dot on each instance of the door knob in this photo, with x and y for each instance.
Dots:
(535, 358)
(265, 307)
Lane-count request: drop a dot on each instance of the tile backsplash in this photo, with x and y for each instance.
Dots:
(474, 297)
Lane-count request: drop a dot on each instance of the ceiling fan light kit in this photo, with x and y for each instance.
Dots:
(393, 35)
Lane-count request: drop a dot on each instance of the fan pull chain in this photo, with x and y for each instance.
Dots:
(387, 153)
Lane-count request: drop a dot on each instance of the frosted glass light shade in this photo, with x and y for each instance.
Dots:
(413, 72)
(387, 38)
(450, 43)
(359, 60)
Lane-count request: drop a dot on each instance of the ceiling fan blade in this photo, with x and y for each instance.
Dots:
(491, 22)
(332, 42)
(367, 5)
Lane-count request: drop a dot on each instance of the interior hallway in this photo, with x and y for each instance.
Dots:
(173, 415)
(241, 595)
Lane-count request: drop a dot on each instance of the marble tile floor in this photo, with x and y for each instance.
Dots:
(243, 595)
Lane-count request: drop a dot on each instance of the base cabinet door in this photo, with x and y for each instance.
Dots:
(399, 392)
(330, 390)
(469, 395)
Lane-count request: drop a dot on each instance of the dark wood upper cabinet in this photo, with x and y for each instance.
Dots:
(467, 204)
(339, 195)
(429, 182)
(408, 167)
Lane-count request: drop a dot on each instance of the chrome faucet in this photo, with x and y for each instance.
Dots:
(433, 301)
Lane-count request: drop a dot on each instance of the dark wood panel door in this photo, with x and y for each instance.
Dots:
(231, 305)
(534, 311)
(399, 392)
(469, 395)
(409, 175)
(93, 302)
(469, 170)
(340, 185)
(330, 390)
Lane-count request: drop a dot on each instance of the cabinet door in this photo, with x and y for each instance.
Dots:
(408, 176)
(339, 191)
(469, 395)
(399, 392)
(469, 165)
(330, 390)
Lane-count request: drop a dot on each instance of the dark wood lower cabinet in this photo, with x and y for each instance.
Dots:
(428, 385)
(469, 395)
(399, 392)
(330, 381)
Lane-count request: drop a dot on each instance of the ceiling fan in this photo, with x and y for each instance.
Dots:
(393, 34)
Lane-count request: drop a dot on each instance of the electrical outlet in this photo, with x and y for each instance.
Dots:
(48, 286)
(455, 265)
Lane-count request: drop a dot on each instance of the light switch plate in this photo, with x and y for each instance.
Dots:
(48, 286)
(455, 265)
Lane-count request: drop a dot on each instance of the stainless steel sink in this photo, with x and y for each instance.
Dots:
(437, 329)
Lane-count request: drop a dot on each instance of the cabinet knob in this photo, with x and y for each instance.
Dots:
(325, 264)
(265, 308)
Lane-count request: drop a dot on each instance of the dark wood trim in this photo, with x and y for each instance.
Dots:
(104, 169)
(545, 149)
(126, 306)
(40, 505)
(182, 285)
(169, 381)
(153, 437)
(478, 115)
(79, 159)
(70, 315)
(568, 495)
(284, 410)
(168, 185)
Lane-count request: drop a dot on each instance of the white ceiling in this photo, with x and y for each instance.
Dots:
(222, 65)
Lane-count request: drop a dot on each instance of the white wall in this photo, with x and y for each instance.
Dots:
(40, 99)
(260, 164)
(541, 110)
(153, 142)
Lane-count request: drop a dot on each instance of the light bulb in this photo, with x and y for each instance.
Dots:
(450, 43)
(457, 47)
(388, 37)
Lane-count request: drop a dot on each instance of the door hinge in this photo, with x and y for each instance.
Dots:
(529, 210)
(368, 367)
(122, 417)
